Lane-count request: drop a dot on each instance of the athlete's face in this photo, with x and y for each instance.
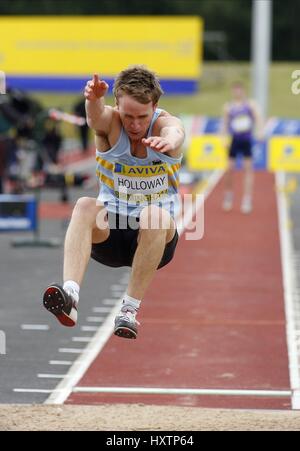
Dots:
(238, 92)
(136, 117)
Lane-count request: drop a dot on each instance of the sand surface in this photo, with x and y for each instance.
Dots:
(142, 418)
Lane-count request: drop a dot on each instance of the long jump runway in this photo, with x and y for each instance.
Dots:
(214, 319)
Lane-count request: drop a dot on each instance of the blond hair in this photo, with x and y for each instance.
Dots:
(139, 83)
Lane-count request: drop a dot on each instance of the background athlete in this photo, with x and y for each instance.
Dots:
(131, 223)
(241, 117)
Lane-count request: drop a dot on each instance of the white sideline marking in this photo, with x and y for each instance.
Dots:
(33, 390)
(71, 351)
(42, 327)
(82, 339)
(117, 287)
(52, 376)
(290, 288)
(102, 309)
(117, 295)
(60, 362)
(89, 328)
(185, 222)
(77, 371)
(109, 301)
(95, 319)
(184, 391)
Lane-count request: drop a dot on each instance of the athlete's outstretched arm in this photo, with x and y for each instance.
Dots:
(99, 116)
(170, 137)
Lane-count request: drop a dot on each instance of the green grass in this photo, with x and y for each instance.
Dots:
(214, 92)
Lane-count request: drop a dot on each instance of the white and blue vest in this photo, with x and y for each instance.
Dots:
(129, 183)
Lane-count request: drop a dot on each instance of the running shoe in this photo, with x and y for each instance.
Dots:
(126, 323)
(57, 301)
(246, 206)
(228, 201)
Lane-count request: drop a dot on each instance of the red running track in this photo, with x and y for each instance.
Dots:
(214, 318)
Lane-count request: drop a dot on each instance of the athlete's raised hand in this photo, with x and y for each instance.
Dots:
(158, 143)
(95, 88)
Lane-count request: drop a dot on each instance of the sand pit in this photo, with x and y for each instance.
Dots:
(142, 418)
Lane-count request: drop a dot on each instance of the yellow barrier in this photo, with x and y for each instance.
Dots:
(284, 154)
(206, 153)
(77, 46)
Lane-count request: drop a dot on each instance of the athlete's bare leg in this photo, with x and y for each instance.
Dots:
(249, 177)
(87, 226)
(246, 206)
(157, 228)
(228, 177)
(228, 185)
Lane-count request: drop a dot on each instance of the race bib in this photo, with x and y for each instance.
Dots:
(141, 184)
(241, 124)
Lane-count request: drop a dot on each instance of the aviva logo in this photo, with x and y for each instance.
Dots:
(208, 149)
(288, 151)
(141, 171)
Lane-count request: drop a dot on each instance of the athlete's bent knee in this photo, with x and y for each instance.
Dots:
(86, 209)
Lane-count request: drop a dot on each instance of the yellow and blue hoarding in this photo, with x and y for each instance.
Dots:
(62, 52)
(206, 153)
(284, 154)
(278, 151)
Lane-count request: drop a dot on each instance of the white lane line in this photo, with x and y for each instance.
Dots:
(60, 362)
(117, 287)
(95, 319)
(117, 295)
(193, 209)
(33, 390)
(77, 370)
(290, 288)
(88, 328)
(105, 331)
(52, 376)
(184, 391)
(109, 301)
(81, 339)
(71, 351)
(102, 309)
(41, 327)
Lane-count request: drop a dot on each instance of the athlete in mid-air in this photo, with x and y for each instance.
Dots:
(240, 118)
(132, 222)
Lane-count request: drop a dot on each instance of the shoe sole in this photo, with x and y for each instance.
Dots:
(125, 332)
(53, 301)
